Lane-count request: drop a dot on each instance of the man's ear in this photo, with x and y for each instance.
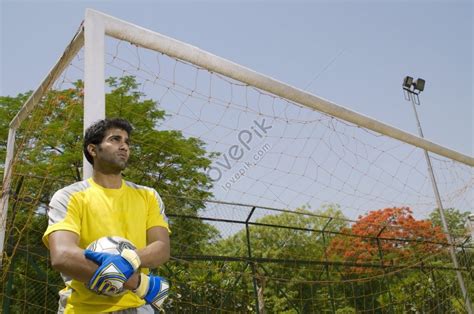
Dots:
(91, 148)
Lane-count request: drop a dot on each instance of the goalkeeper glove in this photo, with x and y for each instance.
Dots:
(114, 270)
(153, 289)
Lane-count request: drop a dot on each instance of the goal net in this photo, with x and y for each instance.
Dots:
(279, 201)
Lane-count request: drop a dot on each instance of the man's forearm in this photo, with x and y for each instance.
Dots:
(71, 262)
(155, 254)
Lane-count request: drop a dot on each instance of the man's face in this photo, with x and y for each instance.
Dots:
(113, 153)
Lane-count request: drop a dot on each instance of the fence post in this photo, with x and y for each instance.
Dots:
(281, 290)
(10, 243)
(437, 298)
(467, 259)
(326, 266)
(8, 289)
(249, 253)
(379, 246)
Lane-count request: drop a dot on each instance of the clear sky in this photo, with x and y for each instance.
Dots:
(354, 53)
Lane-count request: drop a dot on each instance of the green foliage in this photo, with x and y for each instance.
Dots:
(281, 242)
(421, 292)
(455, 219)
(346, 310)
(204, 285)
(9, 107)
(300, 242)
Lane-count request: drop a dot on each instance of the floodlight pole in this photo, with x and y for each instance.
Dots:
(413, 95)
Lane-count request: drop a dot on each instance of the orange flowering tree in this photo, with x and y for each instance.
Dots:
(390, 236)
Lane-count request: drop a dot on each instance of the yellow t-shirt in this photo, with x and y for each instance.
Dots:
(92, 211)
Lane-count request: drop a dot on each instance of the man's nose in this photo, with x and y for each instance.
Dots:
(124, 146)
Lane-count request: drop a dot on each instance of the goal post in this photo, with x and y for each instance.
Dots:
(94, 76)
(151, 40)
(69, 53)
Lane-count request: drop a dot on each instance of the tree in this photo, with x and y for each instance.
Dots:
(388, 237)
(422, 292)
(287, 238)
(9, 107)
(455, 219)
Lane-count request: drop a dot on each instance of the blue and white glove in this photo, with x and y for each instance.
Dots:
(153, 289)
(114, 270)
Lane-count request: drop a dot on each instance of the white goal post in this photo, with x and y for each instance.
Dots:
(151, 40)
(91, 36)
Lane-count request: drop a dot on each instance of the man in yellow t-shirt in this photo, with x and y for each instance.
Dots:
(107, 205)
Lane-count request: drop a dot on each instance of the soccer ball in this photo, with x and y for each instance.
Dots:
(112, 245)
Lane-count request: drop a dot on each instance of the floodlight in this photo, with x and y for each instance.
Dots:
(407, 82)
(419, 84)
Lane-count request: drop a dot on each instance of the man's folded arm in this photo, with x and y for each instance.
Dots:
(69, 259)
(157, 252)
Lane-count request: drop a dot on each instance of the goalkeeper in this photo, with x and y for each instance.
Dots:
(107, 205)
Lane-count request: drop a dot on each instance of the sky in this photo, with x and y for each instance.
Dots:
(353, 53)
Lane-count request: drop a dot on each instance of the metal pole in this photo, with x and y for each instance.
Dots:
(467, 260)
(437, 296)
(452, 252)
(254, 271)
(9, 288)
(326, 267)
(379, 246)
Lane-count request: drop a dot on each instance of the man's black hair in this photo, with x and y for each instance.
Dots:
(96, 132)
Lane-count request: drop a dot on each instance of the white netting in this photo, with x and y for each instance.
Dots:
(280, 154)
